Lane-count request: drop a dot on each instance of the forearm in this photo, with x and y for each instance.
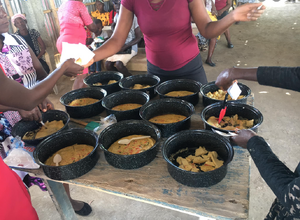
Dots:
(282, 77)
(109, 48)
(133, 42)
(23, 98)
(243, 73)
(4, 108)
(43, 51)
(278, 177)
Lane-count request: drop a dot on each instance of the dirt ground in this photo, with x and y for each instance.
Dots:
(273, 40)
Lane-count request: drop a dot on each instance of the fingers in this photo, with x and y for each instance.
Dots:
(36, 114)
(43, 106)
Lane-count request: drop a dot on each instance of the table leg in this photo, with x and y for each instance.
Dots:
(60, 199)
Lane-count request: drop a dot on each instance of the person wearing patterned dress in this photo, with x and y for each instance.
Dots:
(32, 37)
(101, 14)
(20, 64)
(284, 183)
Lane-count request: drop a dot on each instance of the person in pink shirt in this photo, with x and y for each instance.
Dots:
(171, 48)
(73, 16)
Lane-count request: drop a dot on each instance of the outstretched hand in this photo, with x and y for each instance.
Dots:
(248, 12)
(243, 137)
(72, 69)
(224, 80)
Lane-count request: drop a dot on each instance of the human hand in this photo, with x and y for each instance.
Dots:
(71, 68)
(33, 115)
(248, 12)
(225, 79)
(243, 137)
(46, 105)
(89, 63)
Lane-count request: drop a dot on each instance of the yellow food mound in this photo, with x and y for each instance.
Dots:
(127, 106)
(140, 86)
(231, 123)
(134, 147)
(167, 118)
(220, 95)
(83, 102)
(179, 93)
(48, 129)
(71, 154)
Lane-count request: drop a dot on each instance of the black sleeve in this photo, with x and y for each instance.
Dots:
(282, 77)
(284, 183)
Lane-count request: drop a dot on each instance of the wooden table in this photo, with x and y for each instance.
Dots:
(152, 184)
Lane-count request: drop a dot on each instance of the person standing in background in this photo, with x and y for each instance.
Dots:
(100, 13)
(73, 16)
(222, 7)
(32, 37)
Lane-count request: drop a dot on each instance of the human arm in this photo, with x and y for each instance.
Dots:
(117, 40)
(209, 29)
(138, 37)
(42, 47)
(23, 98)
(40, 72)
(282, 77)
(213, 8)
(283, 182)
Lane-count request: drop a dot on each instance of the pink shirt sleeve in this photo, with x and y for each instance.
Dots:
(86, 18)
(128, 4)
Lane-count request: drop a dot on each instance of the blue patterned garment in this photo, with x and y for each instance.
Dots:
(5, 130)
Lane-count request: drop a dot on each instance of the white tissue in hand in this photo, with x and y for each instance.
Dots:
(76, 51)
(234, 91)
(20, 158)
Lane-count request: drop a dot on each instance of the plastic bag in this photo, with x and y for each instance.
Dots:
(20, 155)
(105, 122)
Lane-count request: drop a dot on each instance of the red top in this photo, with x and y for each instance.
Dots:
(169, 41)
(14, 199)
(220, 4)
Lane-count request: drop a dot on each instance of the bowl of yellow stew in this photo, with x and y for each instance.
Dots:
(84, 103)
(32, 132)
(142, 82)
(125, 104)
(170, 115)
(197, 158)
(184, 89)
(77, 148)
(140, 151)
(211, 93)
(238, 116)
(107, 80)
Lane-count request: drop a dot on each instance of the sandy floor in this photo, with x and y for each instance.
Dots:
(273, 40)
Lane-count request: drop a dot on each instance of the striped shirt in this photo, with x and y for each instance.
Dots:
(18, 66)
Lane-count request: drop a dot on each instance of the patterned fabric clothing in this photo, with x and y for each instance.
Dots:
(18, 66)
(104, 17)
(246, 1)
(34, 35)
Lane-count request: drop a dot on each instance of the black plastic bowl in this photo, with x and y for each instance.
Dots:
(180, 85)
(168, 106)
(192, 139)
(144, 79)
(104, 77)
(20, 128)
(86, 111)
(122, 129)
(243, 110)
(212, 87)
(54, 143)
(123, 97)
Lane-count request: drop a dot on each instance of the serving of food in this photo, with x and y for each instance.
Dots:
(70, 154)
(140, 86)
(201, 161)
(126, 107)
(220, 95)
(83, 102)
(134, 147)
(47, 129)
(231, 123)
(167, 118)
(109, 82)
(179, 93)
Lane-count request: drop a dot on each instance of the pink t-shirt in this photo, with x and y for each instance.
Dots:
(169, 41)
(220, 4)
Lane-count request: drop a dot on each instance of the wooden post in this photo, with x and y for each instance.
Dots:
(10, 13)
(55, 16)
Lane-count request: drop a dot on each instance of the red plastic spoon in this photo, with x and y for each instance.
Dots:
(224, 108)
